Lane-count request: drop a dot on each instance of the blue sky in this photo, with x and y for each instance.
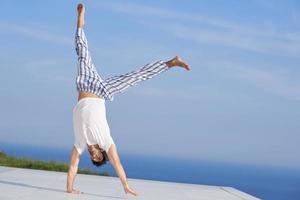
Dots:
(239, 103)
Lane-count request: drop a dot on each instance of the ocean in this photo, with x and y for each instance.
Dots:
(265, 182)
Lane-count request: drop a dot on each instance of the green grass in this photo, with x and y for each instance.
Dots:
(11, 161)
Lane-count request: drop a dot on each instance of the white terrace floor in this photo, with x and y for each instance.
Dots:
(29, 184)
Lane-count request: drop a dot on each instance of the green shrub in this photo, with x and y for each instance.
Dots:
(11, 161)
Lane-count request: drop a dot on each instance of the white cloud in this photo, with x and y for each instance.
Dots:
(236, 40)
(258, 38)
(278, 82)
(49, 70)
(36, 33)
(271, 40)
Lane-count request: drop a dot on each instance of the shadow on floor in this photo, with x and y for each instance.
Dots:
(53, 189)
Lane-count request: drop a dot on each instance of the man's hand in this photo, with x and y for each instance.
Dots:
(116, 163)
(74, 191)
(130, 191)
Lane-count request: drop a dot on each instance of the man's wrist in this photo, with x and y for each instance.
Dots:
(69, 190)
(125, 184)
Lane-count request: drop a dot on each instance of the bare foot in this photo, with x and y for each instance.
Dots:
(80, 18)
(177, 61)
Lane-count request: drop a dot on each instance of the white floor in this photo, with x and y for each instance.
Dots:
(29, 184)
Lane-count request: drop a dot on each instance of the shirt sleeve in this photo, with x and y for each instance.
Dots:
(80, 143)
(108, 143)
(80, 149)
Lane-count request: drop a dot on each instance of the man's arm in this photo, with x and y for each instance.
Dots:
(73, 168)
(115, 161)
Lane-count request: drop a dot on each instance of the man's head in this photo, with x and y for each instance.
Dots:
(98, 155)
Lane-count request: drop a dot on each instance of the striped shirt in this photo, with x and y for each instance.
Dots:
(88, 79)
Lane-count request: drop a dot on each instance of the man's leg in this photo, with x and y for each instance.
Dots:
(120, 83)
(87, 72)
(86, 66)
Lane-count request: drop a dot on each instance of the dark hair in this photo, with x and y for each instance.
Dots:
(103, 161)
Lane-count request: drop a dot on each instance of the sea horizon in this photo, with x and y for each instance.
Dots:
(262, 181)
